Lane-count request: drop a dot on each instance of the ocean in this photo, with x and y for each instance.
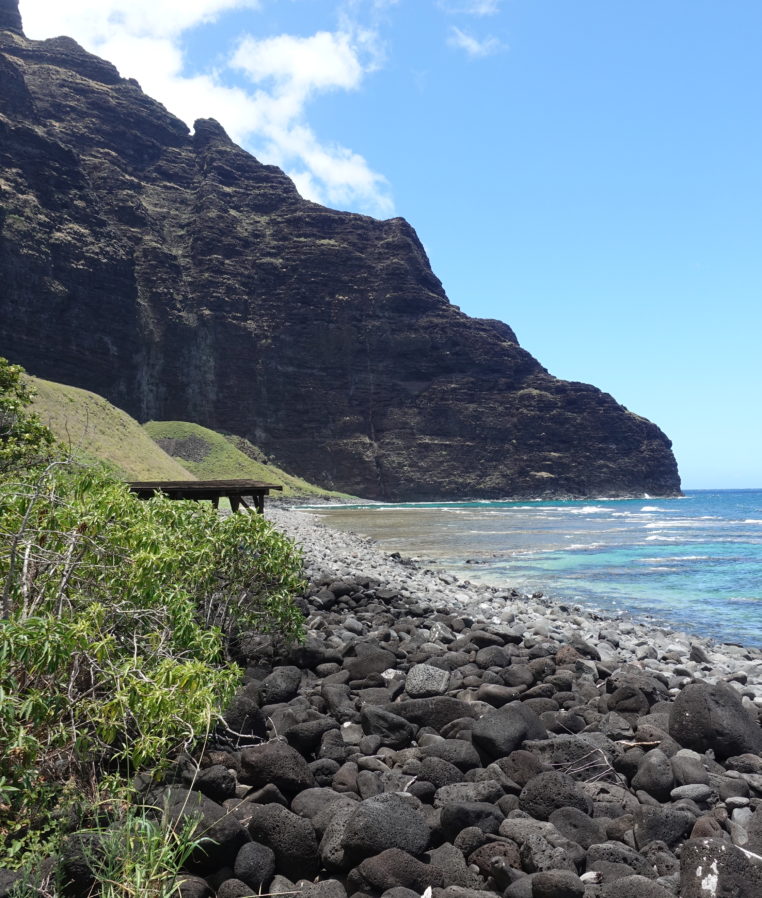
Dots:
(692, 564)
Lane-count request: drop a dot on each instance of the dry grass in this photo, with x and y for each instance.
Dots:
(95, 429)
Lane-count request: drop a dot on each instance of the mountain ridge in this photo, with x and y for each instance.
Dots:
(182, 279)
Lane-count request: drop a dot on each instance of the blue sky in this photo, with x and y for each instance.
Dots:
(589, 172)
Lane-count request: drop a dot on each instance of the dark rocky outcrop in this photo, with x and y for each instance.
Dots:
(181, 278)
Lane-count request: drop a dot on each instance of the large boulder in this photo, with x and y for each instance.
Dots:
(394, 731)
(277, 763)
(500, 732)
(221, 832)
(550, 791)
(385, 821)
(395, 868)
(705, 717)
(434, 712)
(713, 868)
(291, 838)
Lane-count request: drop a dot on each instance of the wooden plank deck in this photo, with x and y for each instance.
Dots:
(237, 491)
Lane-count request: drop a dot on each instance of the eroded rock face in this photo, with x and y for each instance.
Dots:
(182, 279)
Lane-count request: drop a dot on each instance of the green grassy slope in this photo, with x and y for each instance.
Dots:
(95, 429)
(211, 455)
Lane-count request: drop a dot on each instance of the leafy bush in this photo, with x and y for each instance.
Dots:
(23, 437)
(115, 616)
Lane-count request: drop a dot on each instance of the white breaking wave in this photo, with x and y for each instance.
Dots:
(673, 558)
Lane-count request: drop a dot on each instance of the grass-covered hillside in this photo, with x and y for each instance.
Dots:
(211, 455)
(95, 429)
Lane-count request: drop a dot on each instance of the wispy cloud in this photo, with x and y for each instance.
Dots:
(145, 40)
(287, 71)
(471, 7)
(476, 48)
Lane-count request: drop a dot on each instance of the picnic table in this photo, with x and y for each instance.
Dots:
(237, 491)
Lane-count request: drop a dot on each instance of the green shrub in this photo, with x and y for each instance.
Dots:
(114, 625)
(23, 437)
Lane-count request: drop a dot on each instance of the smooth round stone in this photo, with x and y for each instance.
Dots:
(698, 792)
(736, 801)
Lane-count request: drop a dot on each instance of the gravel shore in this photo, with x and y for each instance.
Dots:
(434, 739)
(338, 555)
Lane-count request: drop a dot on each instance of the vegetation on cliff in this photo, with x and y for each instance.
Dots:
(94, 429)
(210, 455)
(117, 622)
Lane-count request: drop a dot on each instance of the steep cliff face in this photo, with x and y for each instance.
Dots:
(182, 279)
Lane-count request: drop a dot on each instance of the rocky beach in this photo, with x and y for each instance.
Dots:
(431, 737)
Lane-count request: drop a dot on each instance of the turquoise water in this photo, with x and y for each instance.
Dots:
(693, 563)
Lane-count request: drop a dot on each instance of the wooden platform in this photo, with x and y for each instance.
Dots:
(237, 491)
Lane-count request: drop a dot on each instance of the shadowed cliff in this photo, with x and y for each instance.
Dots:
(182, 279)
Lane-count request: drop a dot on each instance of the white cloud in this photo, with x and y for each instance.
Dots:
(471, 7)
(475, 48)
(301, 64)
(144, 39)
(97, 20)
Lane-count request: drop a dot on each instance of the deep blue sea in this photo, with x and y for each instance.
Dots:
(693, 563)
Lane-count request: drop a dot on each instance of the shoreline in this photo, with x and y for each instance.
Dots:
(342, 553)
(431, 737)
